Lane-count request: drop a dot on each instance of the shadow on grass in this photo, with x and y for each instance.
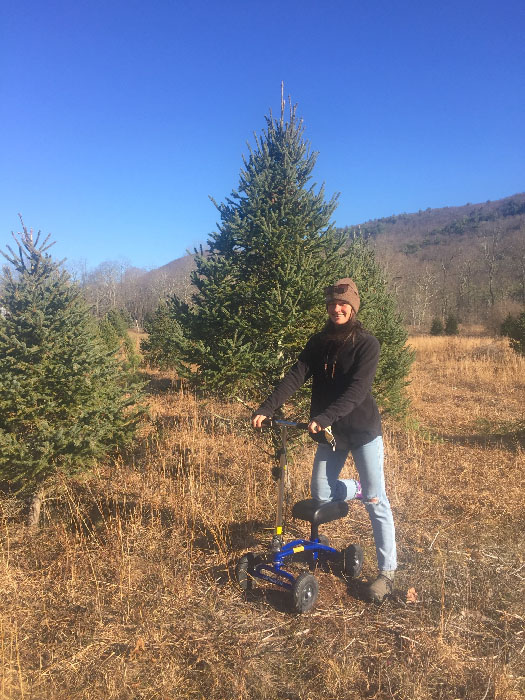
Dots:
(280, 599)
(512, 441)
(238, 536)
(155, 385)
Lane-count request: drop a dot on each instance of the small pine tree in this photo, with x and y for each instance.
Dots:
(260, 283)
(109, 334)
(514, 328)
(114, 331)
(507, 325)
(437, 327)
(451, 325)
(64, 399)
(165, 345)
(120, 320)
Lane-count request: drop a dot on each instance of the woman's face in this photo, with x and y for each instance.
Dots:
(339, 312)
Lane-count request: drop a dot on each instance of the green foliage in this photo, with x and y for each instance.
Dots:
(64, 399)
(113, 329)
(451, 325)
(165, 345)
(259, 283)
(259, 286)
(437, 327)
(411, 248)
(379, 315)
(514, 328)
(109, 335)
(120, 319)
(507, 327)
(132, 358)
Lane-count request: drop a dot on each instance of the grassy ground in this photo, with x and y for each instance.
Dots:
(127, 590)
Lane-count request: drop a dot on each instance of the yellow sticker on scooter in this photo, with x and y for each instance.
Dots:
(298, 549)
(278, 531)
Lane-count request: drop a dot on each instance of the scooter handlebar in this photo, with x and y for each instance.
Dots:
(327, 432)
(286, 423)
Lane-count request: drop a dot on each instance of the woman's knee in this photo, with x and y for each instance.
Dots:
(378, 506)
(320, 490)
(371, 501)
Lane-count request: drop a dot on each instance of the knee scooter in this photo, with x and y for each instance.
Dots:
(304, 588)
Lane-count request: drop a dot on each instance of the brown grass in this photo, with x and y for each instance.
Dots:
(126, 591)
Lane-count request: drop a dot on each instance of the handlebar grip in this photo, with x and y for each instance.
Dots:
(290, 423)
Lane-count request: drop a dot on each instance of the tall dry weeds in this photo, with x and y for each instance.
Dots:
(127, 590)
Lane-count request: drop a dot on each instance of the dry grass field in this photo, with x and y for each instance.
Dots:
(126, 591)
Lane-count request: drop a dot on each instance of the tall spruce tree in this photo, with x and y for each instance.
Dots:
(64, 398)
(259, 285)
(260, 281)
(379, 315)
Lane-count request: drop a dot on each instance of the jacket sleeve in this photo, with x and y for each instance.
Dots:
(292, 380)
(362, 377)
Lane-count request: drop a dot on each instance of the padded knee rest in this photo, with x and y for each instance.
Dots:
(317, 512)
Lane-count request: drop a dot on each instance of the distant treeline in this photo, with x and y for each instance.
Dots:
(467, 261)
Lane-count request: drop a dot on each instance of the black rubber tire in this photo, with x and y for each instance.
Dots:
(244, 571)
(304, 592)
(353, 557)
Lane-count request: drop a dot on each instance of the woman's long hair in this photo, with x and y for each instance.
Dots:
(334, 337)
(338, 334)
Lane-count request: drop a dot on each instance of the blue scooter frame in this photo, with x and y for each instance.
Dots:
(304, 588)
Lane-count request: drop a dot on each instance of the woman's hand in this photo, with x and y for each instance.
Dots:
(258, 420)
(314, 427)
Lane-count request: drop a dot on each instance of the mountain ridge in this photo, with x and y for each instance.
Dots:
(430, 221)
(466, 260)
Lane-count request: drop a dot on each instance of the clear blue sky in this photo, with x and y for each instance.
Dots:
(119, 119)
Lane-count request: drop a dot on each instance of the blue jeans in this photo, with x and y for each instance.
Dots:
(326, 486)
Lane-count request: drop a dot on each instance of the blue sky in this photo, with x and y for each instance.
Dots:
(120, 119)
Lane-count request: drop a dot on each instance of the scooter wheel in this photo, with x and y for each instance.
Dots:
(304, 592)
(244, 571)
(353, 557)
(323, 539)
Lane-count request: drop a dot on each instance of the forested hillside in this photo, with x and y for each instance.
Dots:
(467, 261)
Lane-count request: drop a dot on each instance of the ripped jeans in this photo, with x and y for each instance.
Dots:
(368, 459)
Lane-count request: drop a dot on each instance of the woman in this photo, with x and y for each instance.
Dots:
(342, 361)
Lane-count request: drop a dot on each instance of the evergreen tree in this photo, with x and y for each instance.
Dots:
(109, 334)
(259, 286)
(437, 327)
(260, 281)
(379, 315)
(64, 399)
(451, 325)
(165, 345)
(507, 325)
(514, 328)
(114, 331)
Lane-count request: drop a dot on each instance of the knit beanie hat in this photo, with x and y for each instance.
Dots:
(344, 290)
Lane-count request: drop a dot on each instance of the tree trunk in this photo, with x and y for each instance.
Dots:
(33, 518)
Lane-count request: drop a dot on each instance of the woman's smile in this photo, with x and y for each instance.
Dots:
(339, 312)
